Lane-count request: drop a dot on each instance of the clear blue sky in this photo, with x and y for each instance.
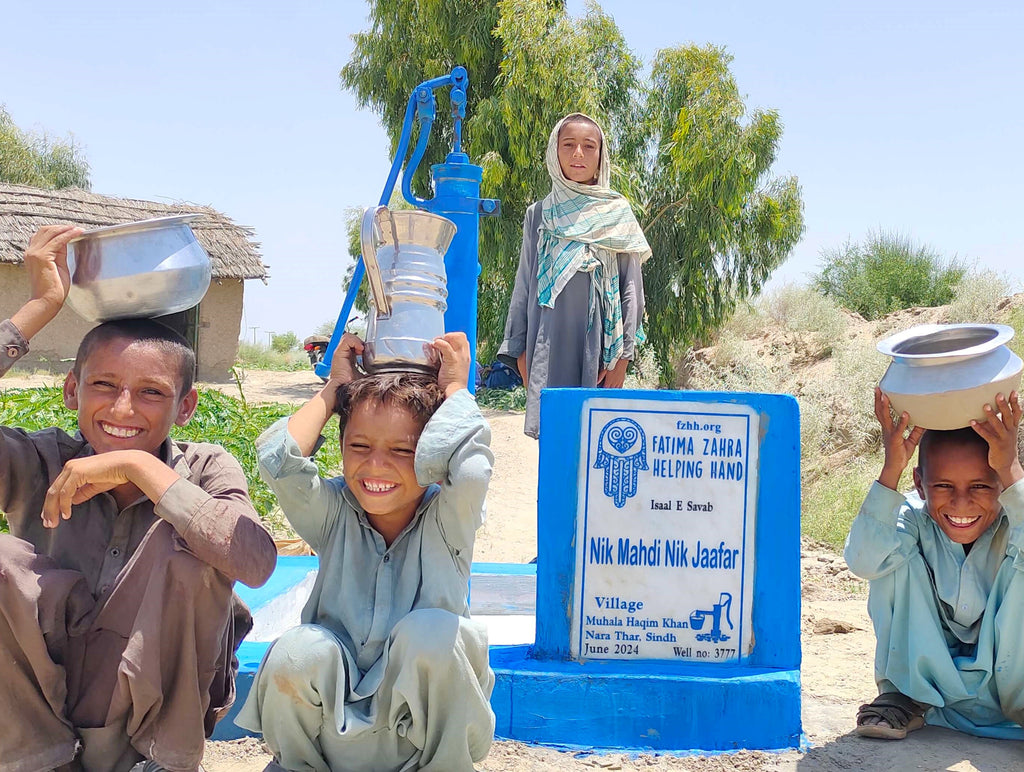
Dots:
(898, 116)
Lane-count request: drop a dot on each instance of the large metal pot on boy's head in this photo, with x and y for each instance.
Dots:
(943, 375)
(403, 251)
(139, 269)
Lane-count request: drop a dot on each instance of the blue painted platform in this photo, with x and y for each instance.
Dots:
(625, 705)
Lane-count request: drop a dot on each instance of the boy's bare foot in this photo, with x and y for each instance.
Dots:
(890, 717)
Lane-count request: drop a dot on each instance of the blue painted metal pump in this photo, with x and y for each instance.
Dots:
(456, 196)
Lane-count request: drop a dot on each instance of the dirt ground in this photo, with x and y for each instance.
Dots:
(836, 637)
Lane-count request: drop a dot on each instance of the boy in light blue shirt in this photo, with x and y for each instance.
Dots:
(387, 671)
(946, 574)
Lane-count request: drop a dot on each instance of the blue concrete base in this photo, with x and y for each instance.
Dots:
(623, 705)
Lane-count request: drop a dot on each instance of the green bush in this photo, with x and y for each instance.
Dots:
(256, 356)
(502, 399)
(283, 342)
(886, 273)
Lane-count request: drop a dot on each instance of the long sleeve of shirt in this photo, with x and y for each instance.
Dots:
(631, 294)
(883, 535)
(311, 503)
(454, 452)
(13, 345)
(211, 510)
(524, 292)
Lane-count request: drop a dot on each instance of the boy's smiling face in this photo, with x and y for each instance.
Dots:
(378, 452)
(126, 396)
(960, 489)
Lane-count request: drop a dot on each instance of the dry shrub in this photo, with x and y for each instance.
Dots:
(979, 297)
(644, 372)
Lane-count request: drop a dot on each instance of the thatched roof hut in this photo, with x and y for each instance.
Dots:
(234, 254)
(213, 326)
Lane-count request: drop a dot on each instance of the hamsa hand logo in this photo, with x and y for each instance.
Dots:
(622, 453)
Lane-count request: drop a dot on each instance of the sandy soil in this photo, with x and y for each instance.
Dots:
(836, 637)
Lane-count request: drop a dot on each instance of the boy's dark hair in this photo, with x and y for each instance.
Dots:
(933, 438)
(147, 331)
(418, 393)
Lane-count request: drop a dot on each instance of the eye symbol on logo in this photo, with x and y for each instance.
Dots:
(622, 453)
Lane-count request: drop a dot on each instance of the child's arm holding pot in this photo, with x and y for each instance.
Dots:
(898, 449)
(453, 449)
(1000, 432)
(307, 423)
(46, 259)
(884, 533)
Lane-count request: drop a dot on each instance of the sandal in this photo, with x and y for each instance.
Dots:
(900, 714)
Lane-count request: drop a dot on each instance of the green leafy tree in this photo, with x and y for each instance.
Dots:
(718, 222)
(696, 172)
(283, 342)
(37, 160)
(886, 273)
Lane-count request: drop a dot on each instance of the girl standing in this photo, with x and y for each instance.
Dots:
(577, 307)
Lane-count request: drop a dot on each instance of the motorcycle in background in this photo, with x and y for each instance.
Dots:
(315, 347)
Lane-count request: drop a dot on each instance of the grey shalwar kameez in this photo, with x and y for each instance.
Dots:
(118, 627)
(387, 671)
(563, 344)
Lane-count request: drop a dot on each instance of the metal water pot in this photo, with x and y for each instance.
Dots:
(403, 251)
(943, 375)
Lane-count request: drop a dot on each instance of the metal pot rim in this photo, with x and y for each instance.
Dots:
(138, 225)
(889, 345)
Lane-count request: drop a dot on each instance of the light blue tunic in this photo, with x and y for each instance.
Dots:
(948, 624)
(366, 594)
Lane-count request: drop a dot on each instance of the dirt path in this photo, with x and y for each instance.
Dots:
(836, 636)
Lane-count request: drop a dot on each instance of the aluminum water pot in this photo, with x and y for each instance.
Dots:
(943, 375)
(403, 251)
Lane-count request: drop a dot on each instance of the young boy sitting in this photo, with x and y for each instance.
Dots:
(117, 619)
(387, 671)
(946, 573)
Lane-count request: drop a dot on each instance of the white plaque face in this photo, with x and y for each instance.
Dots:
(665, 531)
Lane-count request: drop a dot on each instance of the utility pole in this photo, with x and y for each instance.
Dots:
(254, 334)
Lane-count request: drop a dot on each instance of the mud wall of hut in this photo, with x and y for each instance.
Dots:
(220, 319)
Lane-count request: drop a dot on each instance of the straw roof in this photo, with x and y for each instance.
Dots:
(233, 252)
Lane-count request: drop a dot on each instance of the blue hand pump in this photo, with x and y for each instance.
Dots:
(456, 196)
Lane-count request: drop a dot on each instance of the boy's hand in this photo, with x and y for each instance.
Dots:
(47, 261)
(83, 478)
(453, 349)
(1000, 432)
(898, 449)
(46, 258)
(615, 377)
(343, 364)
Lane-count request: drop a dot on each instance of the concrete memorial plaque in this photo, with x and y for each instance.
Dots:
(665, 531)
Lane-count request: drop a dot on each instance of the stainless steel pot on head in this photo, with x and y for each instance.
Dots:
(138, 269)
(403, 251)
(943, 375)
